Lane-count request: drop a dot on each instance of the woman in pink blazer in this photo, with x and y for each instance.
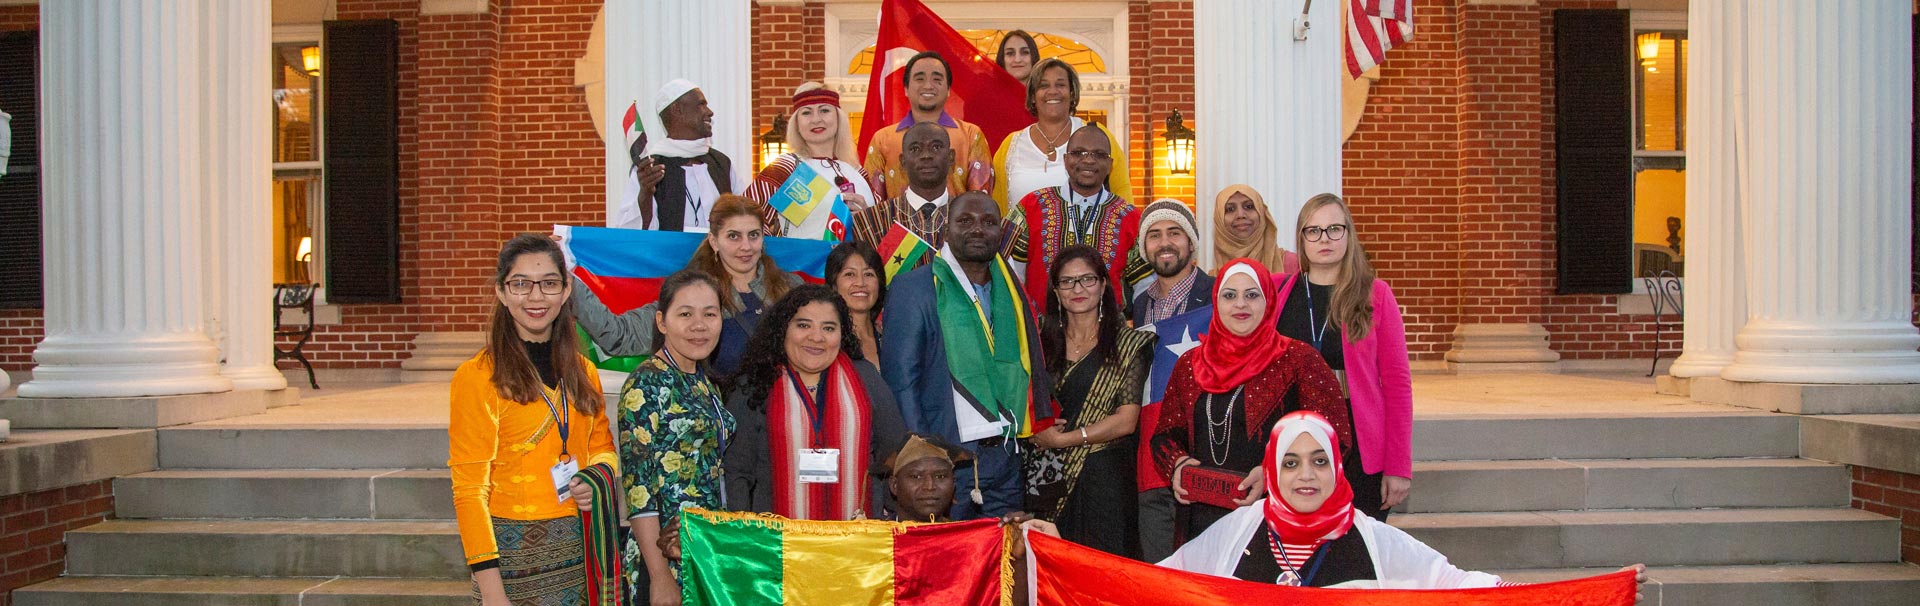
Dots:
(1337, 305)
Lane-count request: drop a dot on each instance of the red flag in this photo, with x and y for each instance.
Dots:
(1065, 574)
(1373, 27)
(982, 92)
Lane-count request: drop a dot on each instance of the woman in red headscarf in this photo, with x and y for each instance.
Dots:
(1224, 395)
(1309, 536)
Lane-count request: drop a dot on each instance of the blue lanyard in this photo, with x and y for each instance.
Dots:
(1281, 548)
(561, 419)
(815, 410)
(1315, 328)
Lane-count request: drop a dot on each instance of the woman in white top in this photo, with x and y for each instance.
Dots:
(1035, 157)
(1305, 532)
(820, 136)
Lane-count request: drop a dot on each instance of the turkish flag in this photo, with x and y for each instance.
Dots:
(982, 92)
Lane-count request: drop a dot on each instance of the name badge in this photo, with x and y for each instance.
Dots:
(563, 475)
(820, 465)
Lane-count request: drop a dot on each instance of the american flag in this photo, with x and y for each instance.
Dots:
(1373, 26)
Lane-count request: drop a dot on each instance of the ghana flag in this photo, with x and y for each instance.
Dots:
(902, 251)
(730, 559)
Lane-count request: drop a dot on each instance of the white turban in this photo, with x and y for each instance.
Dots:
(657, 141)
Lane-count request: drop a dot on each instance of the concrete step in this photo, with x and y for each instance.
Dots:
(263, 548)
(1670, 436)
(243, 591)
(1557, 485)
(1796, 585)
(303, 447)
(1710, 537)
(380, 494)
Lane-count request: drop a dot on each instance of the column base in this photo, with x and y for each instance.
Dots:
(1501, 348)
(125, 366)
(437, 354)
(1809, 399)
(131, 413)
(265, 377)
(1699, 364)
(1851, 353)
(1669, 385)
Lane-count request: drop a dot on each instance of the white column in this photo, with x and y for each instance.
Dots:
(1827, 221)
(1266, 106)
(120, 87)
(1716, 299)
(651, 42)
(238, 166)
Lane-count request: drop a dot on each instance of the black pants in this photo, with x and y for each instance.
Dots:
(1368, 493)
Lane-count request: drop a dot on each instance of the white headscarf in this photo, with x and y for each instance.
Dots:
(657, 142)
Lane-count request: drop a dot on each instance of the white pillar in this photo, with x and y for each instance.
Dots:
(238, 166)
(1827, 222)
(651, 42)
(1716, 300)
(1266, 106)
(120, 88)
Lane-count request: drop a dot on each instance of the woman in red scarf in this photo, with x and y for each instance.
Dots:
(1225, 394)
(815, 418)
(1310, 536)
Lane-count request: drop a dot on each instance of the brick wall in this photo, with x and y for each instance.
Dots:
(789, 47)
(33, 529)
(1895, 495)
(1161, 82)
(19, 328)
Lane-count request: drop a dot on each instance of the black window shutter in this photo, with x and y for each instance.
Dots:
(360, 93)
(1593, 149)
(20, 188)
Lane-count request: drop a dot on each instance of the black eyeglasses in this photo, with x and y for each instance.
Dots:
(1082, 154)
(1070, 284)
(525, 287)
(1333, 233)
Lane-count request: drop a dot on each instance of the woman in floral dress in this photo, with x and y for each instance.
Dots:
(673, 429)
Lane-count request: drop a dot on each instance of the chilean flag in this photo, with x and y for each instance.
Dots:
(982, 92)
(1178, 334)
(624, 267)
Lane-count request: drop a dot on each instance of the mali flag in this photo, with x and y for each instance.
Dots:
(730, 559)
(902, 251)
(1065, 574)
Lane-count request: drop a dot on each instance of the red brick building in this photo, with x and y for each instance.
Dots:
(1451, 171)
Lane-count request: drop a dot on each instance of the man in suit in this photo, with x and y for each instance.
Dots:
(967, 366)
(1166, 242)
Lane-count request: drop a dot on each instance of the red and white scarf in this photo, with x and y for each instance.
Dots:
(845, 426)
(1335, 515)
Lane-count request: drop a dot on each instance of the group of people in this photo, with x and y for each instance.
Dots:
(1002, 378)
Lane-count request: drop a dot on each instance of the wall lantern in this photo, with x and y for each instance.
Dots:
(310, 60)
(1649, 50)
(1179, 145)
(773, 143)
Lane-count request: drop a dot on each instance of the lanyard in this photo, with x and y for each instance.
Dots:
(673, 366)
(561, 419)
(1286, 563)
(815, 410)
(1316, 328)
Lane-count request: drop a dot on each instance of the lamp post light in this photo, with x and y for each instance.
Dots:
(1179, 145)
(773, 143)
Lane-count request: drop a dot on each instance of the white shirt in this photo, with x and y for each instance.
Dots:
(1399, 560)
(914, 200)
(701, 194)
(1028, 169)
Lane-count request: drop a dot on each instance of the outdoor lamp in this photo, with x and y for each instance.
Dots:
(773, 143)
(1179, 145)
(1649, 50)
(310, 60)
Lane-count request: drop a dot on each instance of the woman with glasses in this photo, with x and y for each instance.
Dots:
(1340, 308)
(1243, 228)
(1035, 157)
(1224, 396)
(1081, 473)
(525, 413)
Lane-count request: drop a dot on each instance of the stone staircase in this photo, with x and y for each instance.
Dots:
(1715, 502)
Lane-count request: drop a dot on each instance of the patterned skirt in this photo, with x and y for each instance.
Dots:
(542, 562)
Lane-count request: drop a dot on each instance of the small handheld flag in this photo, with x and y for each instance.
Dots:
(902, 251)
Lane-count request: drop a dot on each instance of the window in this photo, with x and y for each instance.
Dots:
(1659, 154)
(1083, 59)
(297, 190)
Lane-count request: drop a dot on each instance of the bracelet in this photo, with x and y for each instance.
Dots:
(1084, 440)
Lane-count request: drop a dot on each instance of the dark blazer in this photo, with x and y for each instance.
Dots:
(1201, 295)
(916, 362)
(748, 461)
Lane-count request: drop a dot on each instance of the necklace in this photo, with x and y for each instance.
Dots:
(1053, 149)
(1219, 441)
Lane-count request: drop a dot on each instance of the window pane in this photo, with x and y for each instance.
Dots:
(1662, 80)
(296, 87)
(1659, 221)
(293, 206)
